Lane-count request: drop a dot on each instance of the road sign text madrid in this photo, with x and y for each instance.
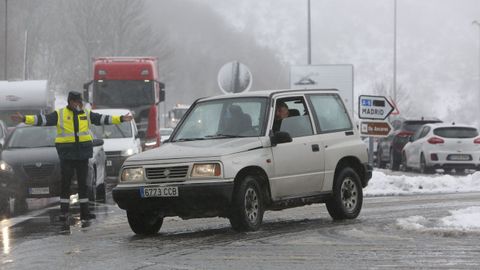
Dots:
(374, 107)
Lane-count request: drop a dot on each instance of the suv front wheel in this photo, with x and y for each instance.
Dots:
(347, 199)
(247, 206)
(144, 223)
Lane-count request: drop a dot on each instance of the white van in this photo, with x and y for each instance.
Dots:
(120, 141)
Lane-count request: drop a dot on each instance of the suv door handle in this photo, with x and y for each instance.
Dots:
(315, 148)
(348, 133)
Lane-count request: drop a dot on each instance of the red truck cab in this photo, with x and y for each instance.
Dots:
(131, 83)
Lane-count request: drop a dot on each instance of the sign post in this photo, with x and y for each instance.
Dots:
(375, 109)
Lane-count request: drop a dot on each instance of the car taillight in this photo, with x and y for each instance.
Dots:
(435, 140)
(404, 134)
(476, 141)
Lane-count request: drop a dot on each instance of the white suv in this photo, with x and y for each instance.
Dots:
(226, 158)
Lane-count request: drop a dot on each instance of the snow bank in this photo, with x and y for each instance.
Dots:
(382, 184)
(459, 222)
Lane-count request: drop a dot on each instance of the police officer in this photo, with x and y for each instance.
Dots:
(74, 145)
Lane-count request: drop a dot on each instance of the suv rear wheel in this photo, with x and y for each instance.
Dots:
(145, 223)
(247, 206)
(347, 195)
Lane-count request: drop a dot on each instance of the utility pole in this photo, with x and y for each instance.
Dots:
(477, 23)
(309, 38)
(6, 42)
(395, 51)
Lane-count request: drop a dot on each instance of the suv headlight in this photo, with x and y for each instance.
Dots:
(4, 167)
(206, 170)
(132, 175)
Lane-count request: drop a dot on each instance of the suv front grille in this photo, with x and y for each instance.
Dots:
(164, 173)
(39, 172)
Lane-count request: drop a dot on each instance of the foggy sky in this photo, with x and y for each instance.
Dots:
(437, 49)
(438, 61)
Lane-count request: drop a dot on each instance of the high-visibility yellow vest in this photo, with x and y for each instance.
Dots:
(66, 130)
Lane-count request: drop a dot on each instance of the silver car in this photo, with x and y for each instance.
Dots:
(231, 157)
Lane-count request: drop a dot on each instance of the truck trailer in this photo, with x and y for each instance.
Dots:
(26, 97)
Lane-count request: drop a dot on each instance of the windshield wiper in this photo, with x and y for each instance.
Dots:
(219, 135)
(189, 139)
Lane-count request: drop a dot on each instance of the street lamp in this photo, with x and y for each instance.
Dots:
(395, 51)
(477, 23)
(309, 33)
(6, 43)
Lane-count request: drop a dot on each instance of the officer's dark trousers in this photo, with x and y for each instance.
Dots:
(69, 168)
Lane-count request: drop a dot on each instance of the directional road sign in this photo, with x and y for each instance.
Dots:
(374, 107)
(375, 128)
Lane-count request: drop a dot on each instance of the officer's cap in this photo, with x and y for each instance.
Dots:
(75, 96)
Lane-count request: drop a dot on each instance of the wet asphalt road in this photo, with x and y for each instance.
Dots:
(299, 238)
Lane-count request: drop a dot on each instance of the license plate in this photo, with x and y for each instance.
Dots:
(148, 192)
(459, 157)
(109, 163)
(39, 191)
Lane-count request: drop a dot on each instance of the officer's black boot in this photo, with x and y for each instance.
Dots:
(85, 212)
(64, 211)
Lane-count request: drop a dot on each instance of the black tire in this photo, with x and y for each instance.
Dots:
(405, 168)
(380, 163)
(101, 195)
(20, 205)
(92, 192)
(4, 207)
(347, 199)
(423, 166)
(145, 223)
(394, 161)
(248, 206)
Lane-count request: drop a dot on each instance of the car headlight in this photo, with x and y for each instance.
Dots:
(132, 175)
(206, 170)
(4, 167)
(128, 152)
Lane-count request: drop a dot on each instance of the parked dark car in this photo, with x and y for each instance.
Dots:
(389, 149)
(30, 168)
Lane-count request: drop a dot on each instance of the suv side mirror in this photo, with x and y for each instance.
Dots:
(280, 137)
(97, 142)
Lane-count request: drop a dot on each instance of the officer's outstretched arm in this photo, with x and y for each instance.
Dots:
(103, 119)
(40, 119)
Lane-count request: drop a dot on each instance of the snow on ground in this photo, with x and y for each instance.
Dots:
(383, 184)
(460, 221)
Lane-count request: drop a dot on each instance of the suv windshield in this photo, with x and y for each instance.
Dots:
(32, 137)
(123, 93)
(456, 132)
(123, 130)
(224, 118)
